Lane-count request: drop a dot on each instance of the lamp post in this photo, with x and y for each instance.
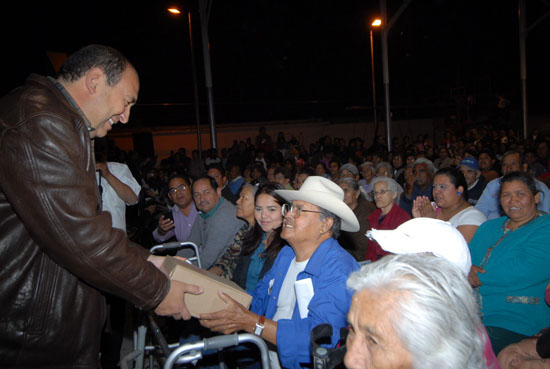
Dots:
(176, 11)
(376, 23)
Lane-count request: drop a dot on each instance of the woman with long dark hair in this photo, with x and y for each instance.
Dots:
(262, 243)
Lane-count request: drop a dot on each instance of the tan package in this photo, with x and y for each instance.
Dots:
(208, 301)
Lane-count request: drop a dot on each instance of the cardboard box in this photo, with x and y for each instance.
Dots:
(208, 301)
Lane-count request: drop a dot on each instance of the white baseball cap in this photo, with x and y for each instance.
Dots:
(426, 235)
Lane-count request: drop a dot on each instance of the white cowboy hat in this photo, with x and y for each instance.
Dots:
(327, 195)
(426, 235)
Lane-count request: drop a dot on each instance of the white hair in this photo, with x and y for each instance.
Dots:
(393, 186)
(436, 317)
(428, 162)
(384, 164)
(367, 163)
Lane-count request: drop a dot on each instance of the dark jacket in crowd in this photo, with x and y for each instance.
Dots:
(475, 192)
(57, 249)
(356, 242)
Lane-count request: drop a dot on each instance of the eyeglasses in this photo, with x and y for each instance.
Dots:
(181, 187)
(295, 211)
(380, 193)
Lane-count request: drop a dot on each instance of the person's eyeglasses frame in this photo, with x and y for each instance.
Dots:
(174, 190)
(295, 211)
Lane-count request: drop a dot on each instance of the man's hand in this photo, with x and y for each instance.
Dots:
(165, 224)
(473, 278)
(233, 318)
(102, 167)
(174, 303)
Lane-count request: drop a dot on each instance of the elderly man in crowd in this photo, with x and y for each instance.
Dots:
(424, 172)
(417, 310)
(489, 202)
(217, 224)
(306, 285)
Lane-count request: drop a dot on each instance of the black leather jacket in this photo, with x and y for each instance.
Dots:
(57, 249)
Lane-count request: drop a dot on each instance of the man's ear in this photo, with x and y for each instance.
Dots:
(219, 191)
(95, 79)
(525, 167)
(327, 225)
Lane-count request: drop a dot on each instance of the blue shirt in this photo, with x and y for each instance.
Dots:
(255, 267)
(235, 185)
(329, 267)
(489, 202)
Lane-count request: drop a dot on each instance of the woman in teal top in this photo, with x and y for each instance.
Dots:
(511, 264)
(262, 243)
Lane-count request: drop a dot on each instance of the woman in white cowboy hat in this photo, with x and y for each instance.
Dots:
(307, 284)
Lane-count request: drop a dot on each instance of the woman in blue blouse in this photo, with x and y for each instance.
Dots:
(511, 264)
(262, 243)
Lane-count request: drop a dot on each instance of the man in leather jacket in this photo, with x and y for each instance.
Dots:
(58, 250)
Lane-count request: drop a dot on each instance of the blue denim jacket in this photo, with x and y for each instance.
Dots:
(329, 267)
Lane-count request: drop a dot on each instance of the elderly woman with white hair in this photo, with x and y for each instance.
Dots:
(416, 310)
(388, 215)
(368, 172)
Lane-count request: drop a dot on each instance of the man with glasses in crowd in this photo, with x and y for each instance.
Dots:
(307, 284)
(179, 220)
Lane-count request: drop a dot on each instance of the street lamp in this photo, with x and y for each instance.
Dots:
(376, 23)
(176, 11)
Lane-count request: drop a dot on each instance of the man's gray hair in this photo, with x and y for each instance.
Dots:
(384, 164)
(351, 182)
(436, 317)
(393, 186)
(367, 163)
(428, 163)
(336, 224)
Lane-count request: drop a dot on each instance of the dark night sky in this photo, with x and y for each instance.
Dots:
(271, 58)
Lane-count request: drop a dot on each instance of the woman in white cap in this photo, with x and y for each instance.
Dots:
(429, 306)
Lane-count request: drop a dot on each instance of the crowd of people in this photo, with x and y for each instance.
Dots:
(432, 255)
(457, 181)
